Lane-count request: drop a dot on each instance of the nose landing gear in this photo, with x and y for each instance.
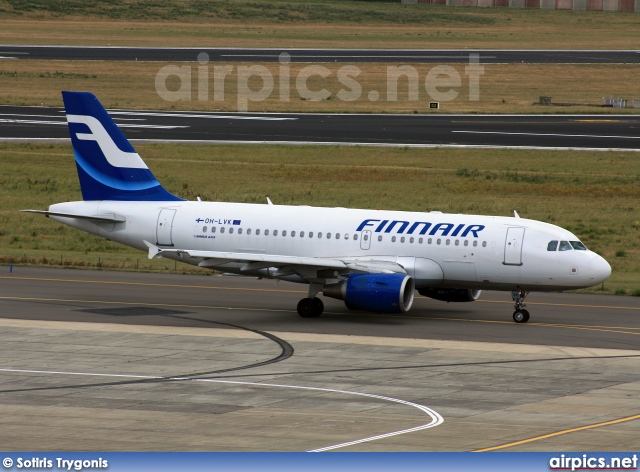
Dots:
(520, 315)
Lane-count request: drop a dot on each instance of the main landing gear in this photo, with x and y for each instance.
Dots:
(520, 315)
(311, 307)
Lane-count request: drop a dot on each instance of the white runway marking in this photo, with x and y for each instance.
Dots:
(436, 418)
(121, 125)
(185, 115)
(390, 145)
(352, 56)
(547, 134)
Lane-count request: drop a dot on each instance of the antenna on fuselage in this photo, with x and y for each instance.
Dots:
(515, 214)
(269, 201)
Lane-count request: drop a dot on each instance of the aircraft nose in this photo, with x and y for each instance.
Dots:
(599, 269)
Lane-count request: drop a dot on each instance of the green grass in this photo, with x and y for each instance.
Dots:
(597, 200)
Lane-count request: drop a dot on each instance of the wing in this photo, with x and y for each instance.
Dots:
(307, 267)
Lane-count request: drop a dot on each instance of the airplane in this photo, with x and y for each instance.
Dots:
(373, 260)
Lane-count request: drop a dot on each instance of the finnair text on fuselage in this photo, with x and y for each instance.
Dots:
(463, 230)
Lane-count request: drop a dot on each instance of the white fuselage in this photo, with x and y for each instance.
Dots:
(436, 249)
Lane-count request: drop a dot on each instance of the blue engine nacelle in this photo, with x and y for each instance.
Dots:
(450, 294)
(380, 293)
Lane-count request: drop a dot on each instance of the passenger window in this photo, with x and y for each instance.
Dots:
(213, 229)
(311, 234)
(328, 235)
(457, 242)
(380, 238)
(565, 246)
(448, 242)
(284, 233)
(346, 236)
(222, 229)
(293, 233)
(239, 230)
(430, 240)
(204, 229)
(411, 240)
(420, 241)
(266, 232)
(475, 243)
(438, 241)
(257, 232)
(466, 242)
(230, 230)
(337, 235)
(552, 246)
(355, 237)
(484, 244)
(402, 239)
(249, 231)
(578, 246)
(393, 239)
(319, 235)
(275, 232)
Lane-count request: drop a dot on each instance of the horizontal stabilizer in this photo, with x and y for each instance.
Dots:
(153, 250)
(106, 218)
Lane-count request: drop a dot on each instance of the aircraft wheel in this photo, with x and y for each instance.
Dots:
(521, 316)
(310, 307)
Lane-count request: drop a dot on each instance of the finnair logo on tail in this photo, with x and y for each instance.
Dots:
(113, 154)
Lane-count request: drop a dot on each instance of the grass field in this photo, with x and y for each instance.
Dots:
(593, 194)
(321, 23)
(596, 199)
(502, 90)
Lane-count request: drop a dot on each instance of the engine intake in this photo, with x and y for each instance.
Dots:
(379, 293)
(451, 294)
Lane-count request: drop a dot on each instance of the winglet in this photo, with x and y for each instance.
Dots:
(153, 250)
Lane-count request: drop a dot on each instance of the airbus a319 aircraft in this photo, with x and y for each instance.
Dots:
(373, 260)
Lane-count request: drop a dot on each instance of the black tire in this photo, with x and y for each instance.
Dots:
(318, 305)
(310, 307)
(521, 316)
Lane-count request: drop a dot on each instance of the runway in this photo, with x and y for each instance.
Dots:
(126, 361)
(598, 132)
(426, 56)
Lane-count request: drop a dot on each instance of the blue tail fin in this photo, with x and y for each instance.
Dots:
(108, 166)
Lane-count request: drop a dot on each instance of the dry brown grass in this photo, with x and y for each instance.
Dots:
(510, 88)
(511, 29)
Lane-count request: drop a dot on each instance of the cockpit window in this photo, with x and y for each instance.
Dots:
(552, 246)
(578, 246)
(565, 246)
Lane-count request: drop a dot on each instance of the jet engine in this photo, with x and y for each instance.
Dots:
(451, 294)
(379, 293)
